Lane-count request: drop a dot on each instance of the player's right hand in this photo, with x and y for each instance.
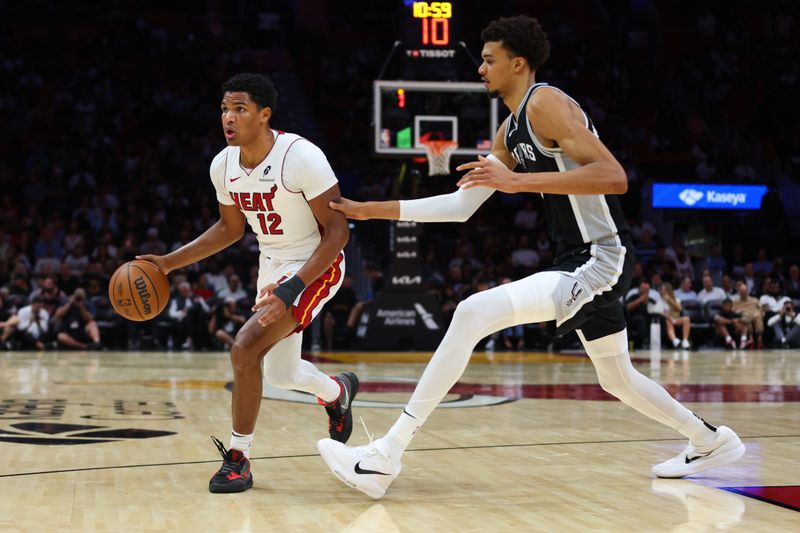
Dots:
(157, 260)
(350, 208)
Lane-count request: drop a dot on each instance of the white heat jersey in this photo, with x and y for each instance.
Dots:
(274, 195)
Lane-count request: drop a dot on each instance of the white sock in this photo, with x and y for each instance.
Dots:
(698, 431)
(728, 339)
(675, 342)
(241, 443)
(743, 340)
(331, 390)
(395, 442)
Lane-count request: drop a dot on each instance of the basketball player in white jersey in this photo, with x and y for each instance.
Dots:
(548, 145)
(280, 184)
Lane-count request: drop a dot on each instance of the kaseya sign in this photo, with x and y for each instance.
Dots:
(707, 196)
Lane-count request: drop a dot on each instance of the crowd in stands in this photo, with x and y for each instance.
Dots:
(98, 164)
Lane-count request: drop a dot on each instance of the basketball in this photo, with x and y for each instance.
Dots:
(138, 290)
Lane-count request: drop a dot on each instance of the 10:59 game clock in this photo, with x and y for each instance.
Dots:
(431, 29)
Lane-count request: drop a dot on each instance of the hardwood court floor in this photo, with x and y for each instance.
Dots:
(527, 442)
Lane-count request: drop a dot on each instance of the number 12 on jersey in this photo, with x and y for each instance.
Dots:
(269, 223)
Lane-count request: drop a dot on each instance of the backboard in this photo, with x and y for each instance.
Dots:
(406, 112)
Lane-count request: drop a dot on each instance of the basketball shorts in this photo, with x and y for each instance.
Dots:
(310, 302)
(595, 278)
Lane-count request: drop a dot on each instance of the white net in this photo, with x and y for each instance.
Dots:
(439, 153)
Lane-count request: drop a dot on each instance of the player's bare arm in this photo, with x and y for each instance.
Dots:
(388, 210)
(559, 123)
(226, 231)
(454, 207)
(334, 238)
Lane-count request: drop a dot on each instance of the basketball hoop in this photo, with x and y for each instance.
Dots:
(439, 153)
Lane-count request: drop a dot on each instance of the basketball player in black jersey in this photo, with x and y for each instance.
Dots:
(547, 145)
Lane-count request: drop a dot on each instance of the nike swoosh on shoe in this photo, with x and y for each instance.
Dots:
(359, 470)
(696, 457)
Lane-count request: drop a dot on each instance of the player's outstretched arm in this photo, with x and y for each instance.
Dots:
(224, 232)
(454, 207)
(556, 120)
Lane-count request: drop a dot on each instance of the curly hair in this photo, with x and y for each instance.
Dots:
(258, 86)
(522, 36)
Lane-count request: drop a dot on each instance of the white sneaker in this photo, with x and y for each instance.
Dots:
(726, 448)
(685, 344)
(363, 467)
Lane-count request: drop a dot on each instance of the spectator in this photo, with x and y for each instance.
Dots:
(233, 290)
(226, 322)
(786, 325)
(68, 281)
(524, 256)
(78, 328)
(793, 283)
(727, 286)
(716, 264)
(762, 265)
(777, 271)
(737, 262)
(464, 252)
(188, 313)
(203, 288)
(673, 318)
(95, 288)
(750, 278)
(709, 292)
(77, 260)
(685, 291)
(52, 296)
(752, 314)
(773, 300)
(640, 303)
(6, 322)
(31, 325)
(153, 245)
(727, 320)
(526, 217)
(73, 237)
(48, 245)
(646, 249)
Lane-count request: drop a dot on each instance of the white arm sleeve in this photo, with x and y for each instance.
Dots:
(454, 207)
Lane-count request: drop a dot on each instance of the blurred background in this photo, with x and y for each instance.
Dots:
(111, 120)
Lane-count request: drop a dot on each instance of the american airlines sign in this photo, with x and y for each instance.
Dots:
(707, 196)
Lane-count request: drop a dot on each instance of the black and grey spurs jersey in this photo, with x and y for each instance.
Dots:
(573, 220)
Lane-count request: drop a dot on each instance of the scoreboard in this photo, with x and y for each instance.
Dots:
(434, 91)
(431, 30)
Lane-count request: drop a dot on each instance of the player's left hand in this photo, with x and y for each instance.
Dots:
(275, 308)
(487, 173)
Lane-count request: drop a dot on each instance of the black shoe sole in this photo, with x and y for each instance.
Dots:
(227, 488)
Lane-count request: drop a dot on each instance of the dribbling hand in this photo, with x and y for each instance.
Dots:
(157, 260)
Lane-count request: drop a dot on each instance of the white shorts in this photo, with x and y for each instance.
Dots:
(309, 302)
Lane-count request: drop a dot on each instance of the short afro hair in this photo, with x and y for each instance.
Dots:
(258, 86)
(521, 36)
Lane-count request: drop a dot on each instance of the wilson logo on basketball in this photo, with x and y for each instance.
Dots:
(144, 294)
